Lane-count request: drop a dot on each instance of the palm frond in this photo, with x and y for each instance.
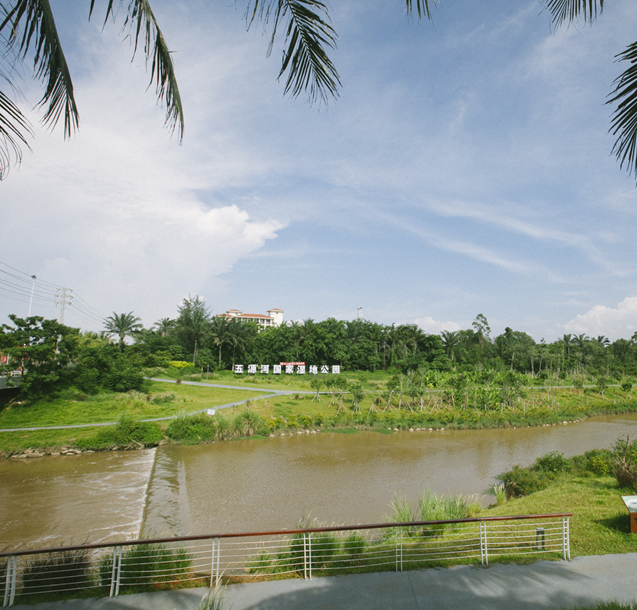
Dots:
(31, 26)
(142, 20)
(307, 34)
(624, 119)
(569, 10)
(423, 9)
(14, 128)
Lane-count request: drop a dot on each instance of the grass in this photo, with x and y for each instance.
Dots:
(109, 407)
(600, 524)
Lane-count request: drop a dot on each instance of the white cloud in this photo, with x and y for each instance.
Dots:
(613, 322)
(435, 327)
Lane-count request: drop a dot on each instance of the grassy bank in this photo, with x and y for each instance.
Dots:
(162, 400)
(339, 411)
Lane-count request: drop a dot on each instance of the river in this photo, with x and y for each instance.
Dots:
(252, 485)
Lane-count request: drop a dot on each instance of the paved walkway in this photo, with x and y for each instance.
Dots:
(545, 584)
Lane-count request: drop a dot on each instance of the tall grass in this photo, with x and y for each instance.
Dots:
(148, 567)
(433, 507)
(45, 576)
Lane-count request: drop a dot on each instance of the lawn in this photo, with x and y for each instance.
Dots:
(600, 522)
(165, 401)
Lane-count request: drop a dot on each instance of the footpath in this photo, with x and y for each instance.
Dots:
(584, 581)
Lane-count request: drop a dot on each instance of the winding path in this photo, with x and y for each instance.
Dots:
(229, 405)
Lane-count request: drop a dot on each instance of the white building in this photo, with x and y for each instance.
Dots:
(273, 318)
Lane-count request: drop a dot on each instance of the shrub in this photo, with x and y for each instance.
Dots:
(552, 462)
(523, 481)
(354, 547)
(249, 423)
(148, 567)
(623, 463)
(325, 547)
(192, 429)
(57, 572)
(126, 433)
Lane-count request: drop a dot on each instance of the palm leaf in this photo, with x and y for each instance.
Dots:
(14, 128)
(38, 32)
(307, 35)
(569, 10)
(422, 8)
(142, 20)
(624, 120)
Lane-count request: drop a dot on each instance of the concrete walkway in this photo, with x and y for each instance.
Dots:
(545, 584)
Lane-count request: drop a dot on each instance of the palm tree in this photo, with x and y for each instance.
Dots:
(164, 325)
(220, 333)
(603, 341)
(450, 340)
(122, 325)
(568, 341)
(624, 119)
(28, 26)
(239, 333)
(193, 321)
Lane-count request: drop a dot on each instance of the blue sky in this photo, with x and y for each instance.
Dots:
(464, 169)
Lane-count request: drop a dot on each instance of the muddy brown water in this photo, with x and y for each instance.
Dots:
(339, 479)
(262, 485)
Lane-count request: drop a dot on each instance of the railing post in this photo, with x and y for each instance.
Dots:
(216, 562)
(116, 572)
(484, 549)
(401, 548)
(309, 550)
(396, 540)
(566, 539)
(12, 577)
(304, 558)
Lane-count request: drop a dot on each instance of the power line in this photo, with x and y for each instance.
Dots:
(46, 294)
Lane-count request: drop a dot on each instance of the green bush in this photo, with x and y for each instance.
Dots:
(354, 547)
(325, 548)
(127, 433)
(553, 462)
(57, 572)
(623, 463)
(192, 429)
(148, 567)
(524, 481)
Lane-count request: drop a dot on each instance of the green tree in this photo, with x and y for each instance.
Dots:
(122, 325)
(450, 340)
(220, 333)
(193, 323)
(43, 349)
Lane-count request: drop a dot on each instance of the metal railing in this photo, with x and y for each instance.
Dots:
(143, 565)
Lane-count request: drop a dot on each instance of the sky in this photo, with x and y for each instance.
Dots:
(465, 168)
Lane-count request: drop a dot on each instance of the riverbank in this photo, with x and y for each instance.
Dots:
(276, 416)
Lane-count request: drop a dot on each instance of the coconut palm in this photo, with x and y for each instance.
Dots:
(220, 333)
(450, 340)
(193, 322)
(164, 325)
(624, 119)
(29, 25)
(122, 325)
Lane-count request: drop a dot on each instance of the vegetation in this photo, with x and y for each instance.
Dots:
(148, 567)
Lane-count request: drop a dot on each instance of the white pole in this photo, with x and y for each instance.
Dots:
(31, 299)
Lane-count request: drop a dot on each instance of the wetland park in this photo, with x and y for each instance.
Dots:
(135, 440)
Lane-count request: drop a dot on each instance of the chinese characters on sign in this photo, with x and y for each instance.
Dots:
(289, 368)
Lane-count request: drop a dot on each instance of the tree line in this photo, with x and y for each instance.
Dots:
(57, 356)
(215, 342)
